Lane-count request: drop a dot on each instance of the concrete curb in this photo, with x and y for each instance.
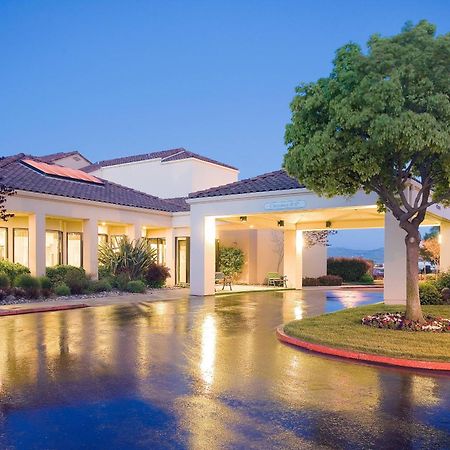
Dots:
(15, 312)
(365, 357)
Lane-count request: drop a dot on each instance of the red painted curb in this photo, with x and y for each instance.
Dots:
(15, 312)
(367, 357)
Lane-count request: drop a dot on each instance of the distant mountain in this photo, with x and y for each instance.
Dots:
(376, 255)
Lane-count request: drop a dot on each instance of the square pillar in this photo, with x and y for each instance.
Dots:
(36, 251)
(394, 261)
(444, 241)
(169, 235)
(134, 231)
(292, 258)
(203, 254)
(90, 247)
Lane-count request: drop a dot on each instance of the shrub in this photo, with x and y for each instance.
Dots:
(136, 286)
(309, 281)
(120, 282)
(443, 280)
(366, 279)
(330, 280)
(12, 270)
(430, 294)
(350, 269)
(75, 278)
(130, 258)
(5, 282)
(231, 261)
(46, 286)
(29, 284)
(61, 289)
(102, 285)
(157, 275)
(57, 274)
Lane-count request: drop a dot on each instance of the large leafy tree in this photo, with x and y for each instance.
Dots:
(380, 122)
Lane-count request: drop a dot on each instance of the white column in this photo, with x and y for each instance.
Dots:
(36, 233)
(394, 261)
(315, 261)
(292, 259)
(90, 247)
(169, 235)
(203, 254)
(444, 240)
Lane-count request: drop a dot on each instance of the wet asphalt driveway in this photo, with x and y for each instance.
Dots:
(205, 373)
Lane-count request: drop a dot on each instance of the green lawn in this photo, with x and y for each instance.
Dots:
(343, 329)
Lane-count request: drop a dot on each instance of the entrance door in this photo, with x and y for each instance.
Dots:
(182, 260)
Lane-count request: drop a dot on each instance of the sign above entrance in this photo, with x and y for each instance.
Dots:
(285, 204)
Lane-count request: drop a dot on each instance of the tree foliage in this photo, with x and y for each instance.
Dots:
(380, 120)
(231, 260)
(5, 192)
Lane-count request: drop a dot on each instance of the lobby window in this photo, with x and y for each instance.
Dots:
(75, 249)
(102, 239)
(3, 243)
(158, 244)
(53, 248)
(116, 239)
(20, 246)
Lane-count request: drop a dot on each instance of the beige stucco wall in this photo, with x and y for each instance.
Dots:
(314, 261)
(168, 179)
(73, 161)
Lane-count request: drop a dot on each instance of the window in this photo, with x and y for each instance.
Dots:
(116, 239)
(53, 248)
(159, 244)
(3, 243)
(182, 260)
(20, 246)
(75, 249)
(102, 239)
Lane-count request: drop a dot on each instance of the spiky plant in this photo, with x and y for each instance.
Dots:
(129, 259)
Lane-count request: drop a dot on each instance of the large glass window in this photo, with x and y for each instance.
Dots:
(182, 257)
(159, 244)
(116, 239)
(20, 247)
(102, 239)
(3, 243)
(53, 248)
(75, 249)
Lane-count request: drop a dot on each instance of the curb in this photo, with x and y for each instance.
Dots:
(365, 357)
(15, 312)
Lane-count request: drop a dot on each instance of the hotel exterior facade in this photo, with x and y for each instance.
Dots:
(186, 204)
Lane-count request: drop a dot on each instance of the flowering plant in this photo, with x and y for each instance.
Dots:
(397, 321)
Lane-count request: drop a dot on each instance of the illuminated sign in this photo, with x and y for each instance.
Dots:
(285, 204)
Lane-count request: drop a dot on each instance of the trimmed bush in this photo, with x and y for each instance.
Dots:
(29, 284)
(46, 286)
(102, 285)
(58, 273)
(157, 275)
(366, 279)
(75, 278)
(61, 289)
(330, 280)
(309, 281)
(12, 270)
(349, 269)
(430, 294)
(136, 286)
(120, 282)
(443, 280)
(5, 282)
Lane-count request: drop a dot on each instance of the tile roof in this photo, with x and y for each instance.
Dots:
(272, 181)
(14, 173)
(56, 156)
(165, 155)
(180, 203)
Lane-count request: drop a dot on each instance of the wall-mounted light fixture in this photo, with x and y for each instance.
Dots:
(243, 218)
(328, 223)
(280, 223)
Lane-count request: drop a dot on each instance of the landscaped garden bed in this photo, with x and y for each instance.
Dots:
(344, 330)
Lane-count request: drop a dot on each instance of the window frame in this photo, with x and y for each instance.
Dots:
(28, 245)
(61, 246)
(80, 233)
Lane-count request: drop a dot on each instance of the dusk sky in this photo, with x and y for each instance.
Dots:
(114, 78)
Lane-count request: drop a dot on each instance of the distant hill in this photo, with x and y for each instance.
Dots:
(376, 255)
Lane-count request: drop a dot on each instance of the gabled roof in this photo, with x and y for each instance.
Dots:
(165, 156)
(21, 176)
(60, 155)
(272, 181)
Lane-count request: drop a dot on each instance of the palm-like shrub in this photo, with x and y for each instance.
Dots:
(128, 259)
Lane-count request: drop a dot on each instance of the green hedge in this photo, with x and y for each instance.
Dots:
(12, 270)
(349, 269)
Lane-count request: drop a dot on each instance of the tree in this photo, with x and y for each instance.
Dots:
(380, 122)
(430, 250)
(319, 237)
(231, 261)
(5, 192)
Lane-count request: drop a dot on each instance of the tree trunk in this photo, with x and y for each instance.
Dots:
(413, 307)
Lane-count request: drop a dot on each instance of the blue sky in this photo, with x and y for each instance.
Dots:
(111, 78)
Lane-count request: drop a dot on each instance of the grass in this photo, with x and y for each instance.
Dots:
(343, 329)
